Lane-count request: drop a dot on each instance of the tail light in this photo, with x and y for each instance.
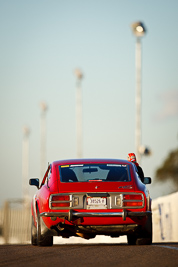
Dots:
(133, 200)
(60, 201)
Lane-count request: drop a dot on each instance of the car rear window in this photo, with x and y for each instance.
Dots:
(94, 172)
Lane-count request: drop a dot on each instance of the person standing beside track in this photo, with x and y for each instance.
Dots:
(132, 158)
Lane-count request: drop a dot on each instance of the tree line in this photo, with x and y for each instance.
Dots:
(169, 169)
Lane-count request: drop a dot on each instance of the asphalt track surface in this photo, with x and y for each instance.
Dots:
(121, 254)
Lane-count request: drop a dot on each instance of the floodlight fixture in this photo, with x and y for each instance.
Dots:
(78, 73)
(26, 131)
(138, 29)
(43, 106)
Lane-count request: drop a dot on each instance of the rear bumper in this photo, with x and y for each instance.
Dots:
(70, 214)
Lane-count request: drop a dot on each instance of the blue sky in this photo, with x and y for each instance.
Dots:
(42, 42)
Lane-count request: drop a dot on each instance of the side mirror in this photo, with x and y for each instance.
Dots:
(34, 181)
(147, 180)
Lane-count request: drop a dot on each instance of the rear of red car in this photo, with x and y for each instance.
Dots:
(95, 197)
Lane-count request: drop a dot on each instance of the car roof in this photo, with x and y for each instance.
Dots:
(91, 161)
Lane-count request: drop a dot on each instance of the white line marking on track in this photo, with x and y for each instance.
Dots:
(175, 248)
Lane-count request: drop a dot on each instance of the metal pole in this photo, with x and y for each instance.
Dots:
(6, 222)
(25, 163)
(138, 99)
(79, 75)
(43, 107)
(79, 118)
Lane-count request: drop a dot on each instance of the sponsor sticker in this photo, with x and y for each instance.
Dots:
(64, 166)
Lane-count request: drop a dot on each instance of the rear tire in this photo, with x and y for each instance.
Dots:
(144, 241)
(131, 239)
(42, 240)
(144, 237)
(33, 234)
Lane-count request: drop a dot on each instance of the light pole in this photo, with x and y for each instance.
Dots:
(139, 31)
(79, 76)
(25, 163)
(43, 108)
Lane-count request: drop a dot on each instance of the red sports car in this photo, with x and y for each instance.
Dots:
(89, 197)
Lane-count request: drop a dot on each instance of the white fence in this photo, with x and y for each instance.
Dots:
(15, 222)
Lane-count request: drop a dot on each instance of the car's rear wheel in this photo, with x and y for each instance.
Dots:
(144, 237)
(42, 240)
(33, 234)
(135, 240)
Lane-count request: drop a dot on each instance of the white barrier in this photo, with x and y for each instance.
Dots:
(165, 218)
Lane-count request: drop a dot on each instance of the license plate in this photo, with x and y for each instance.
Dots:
(96, 203)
